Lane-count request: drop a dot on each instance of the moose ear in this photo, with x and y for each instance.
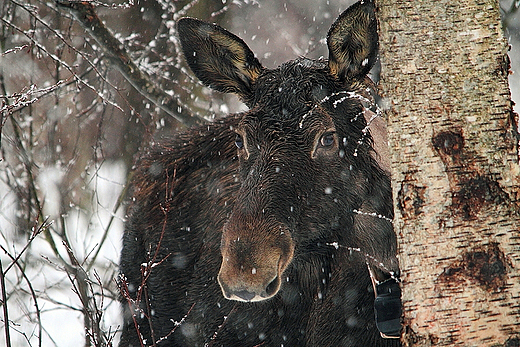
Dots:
(221, 60)
(353, 41)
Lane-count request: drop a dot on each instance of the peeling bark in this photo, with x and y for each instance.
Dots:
(455, 171)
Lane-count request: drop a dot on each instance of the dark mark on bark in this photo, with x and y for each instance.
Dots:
(485, 265)
(449, 143)
(471, 190)
(409, 334)
(474, 194)
(512, 342)
(503, 66)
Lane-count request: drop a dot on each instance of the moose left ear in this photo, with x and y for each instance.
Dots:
(353, 41)
(218, 58)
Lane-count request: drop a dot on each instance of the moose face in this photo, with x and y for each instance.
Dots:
(302, 147)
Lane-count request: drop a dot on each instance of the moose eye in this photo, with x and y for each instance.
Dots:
(239, 141)
(325, 143)
(327, 139)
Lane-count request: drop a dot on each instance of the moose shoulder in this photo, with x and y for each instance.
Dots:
(270, 227)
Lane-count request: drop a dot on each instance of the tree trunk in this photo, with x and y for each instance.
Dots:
(455, 170)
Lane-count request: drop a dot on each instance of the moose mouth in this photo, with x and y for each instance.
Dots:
(249, 294)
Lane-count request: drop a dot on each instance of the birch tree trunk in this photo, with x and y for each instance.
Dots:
(455, 170)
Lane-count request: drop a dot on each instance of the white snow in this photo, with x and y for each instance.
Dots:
(84, 230)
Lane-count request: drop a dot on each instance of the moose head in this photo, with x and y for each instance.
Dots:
(305, 155)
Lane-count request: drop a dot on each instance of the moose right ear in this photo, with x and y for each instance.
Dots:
(353, 42)
(221, 60)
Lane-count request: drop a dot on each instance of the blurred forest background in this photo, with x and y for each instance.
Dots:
(72, 126)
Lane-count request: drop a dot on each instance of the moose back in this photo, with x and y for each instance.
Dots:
(270, 227)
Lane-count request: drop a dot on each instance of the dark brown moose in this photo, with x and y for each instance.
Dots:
(270, 227)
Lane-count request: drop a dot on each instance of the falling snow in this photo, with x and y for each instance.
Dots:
(58, 117)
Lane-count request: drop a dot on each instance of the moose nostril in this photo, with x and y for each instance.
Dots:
(272, 287)
(245, 294)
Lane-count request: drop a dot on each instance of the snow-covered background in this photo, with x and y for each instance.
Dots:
(71, 128)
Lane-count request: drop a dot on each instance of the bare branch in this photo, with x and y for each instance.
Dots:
(82, 286)
(35, 233)
(119, 58)
(58, 61)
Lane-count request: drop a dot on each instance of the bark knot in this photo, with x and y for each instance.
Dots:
(410, 198)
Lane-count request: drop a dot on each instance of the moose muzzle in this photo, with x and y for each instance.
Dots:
(253, 262)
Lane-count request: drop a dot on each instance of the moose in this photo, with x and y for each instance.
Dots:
(270, 227)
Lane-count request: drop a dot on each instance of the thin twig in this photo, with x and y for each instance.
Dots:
(146, 270)
(79, 286)
(59, 61)
(29, 284)
(32, 185)
(219, 328)
(177, 324)
(38, 231)
(119, 201)
(6, 311)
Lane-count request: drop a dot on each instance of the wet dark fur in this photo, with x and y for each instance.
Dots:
(185, 190)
